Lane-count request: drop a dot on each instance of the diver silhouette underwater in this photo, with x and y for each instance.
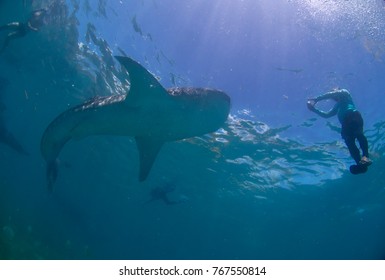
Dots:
(351, 125)
(20, 29)
(162, 193)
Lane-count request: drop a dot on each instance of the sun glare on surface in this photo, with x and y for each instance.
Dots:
(321, 8)
(327, 10)
(354, 19)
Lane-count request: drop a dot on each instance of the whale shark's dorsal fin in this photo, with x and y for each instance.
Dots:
(144, 90)
(149, 148)
(143, 84)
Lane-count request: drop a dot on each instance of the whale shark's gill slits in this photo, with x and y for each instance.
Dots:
(178, 91)
(92, 103)
(100, 101)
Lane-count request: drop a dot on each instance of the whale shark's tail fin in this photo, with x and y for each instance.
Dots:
(8, 139)
(52, 171)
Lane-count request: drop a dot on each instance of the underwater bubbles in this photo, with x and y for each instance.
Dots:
(347, 19)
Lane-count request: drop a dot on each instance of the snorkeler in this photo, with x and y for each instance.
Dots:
(351, 122)
(20, 29)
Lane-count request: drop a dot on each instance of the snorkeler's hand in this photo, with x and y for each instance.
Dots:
(310, 104)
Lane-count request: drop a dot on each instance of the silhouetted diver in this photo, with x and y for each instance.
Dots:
(20, 29)
(161, 193)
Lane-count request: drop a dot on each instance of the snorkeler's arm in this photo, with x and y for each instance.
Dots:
(326, 114)
(32, 27)
(12, 26)
(331, 95)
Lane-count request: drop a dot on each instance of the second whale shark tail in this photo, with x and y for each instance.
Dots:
(53, 140)
(52, 171)
(8, 139)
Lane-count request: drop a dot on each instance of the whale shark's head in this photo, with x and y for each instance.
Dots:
(205, 106)
(217, 103)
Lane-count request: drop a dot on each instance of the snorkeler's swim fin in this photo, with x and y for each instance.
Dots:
(358, 169)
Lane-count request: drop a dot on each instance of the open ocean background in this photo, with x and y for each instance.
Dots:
(272, 184)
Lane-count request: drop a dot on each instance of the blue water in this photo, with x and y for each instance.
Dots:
(273, 183)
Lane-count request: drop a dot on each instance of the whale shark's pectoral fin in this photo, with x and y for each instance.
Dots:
(148, 150)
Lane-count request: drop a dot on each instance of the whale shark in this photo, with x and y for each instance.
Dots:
(148, 112)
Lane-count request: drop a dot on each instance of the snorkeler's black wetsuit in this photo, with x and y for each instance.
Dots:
(352, 129)
(350, 119)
